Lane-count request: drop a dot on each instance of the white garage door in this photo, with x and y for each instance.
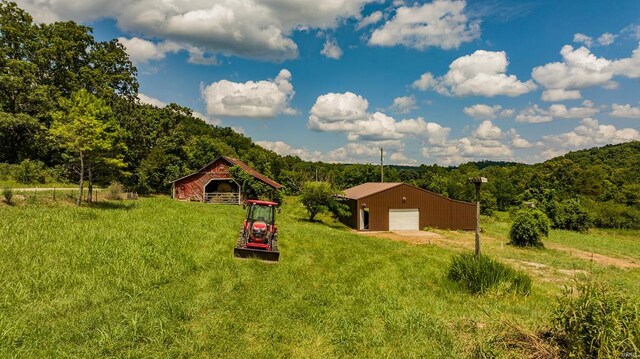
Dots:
(404, 219)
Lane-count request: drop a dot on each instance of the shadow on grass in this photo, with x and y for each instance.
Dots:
(331, 224)
(111, 205)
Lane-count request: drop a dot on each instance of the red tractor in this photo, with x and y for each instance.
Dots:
(259, 234)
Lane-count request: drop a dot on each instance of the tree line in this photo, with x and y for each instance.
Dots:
(69, 112)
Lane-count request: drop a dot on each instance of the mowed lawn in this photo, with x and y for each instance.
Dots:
(157, 278)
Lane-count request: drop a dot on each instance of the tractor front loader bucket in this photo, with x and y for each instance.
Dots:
(271, 256)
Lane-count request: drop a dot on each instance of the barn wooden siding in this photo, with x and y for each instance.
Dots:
(435, 210)
(192, 187)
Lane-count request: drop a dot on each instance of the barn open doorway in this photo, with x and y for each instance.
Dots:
(222, 191)
(364, 219)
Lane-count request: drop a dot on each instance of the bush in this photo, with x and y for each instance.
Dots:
(8, 195)
(31, 172)
(479, 274)
(528, 228)
(597, 323)
(571, 215)
(614, 215)
(114, 191)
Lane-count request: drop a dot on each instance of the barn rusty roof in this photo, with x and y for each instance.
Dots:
(369, 188)
(245, 167)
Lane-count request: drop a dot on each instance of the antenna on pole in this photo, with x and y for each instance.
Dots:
(381, 164)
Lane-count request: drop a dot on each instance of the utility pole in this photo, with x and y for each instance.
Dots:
(478, 181)
(381, 165)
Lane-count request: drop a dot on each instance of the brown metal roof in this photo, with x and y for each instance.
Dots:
(245, 167)
(369, 188)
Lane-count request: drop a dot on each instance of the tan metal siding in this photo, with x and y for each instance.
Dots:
(435, 211)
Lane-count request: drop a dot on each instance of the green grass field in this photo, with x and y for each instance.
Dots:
(156, 278)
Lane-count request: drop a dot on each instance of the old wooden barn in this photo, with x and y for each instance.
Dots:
(400, 206)
(214, 184)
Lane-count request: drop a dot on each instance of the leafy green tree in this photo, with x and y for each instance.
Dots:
(319, 197)
(83, 128)
(571, 215)
(21, 137)
(252, 188)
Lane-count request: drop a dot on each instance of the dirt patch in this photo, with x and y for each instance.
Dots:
(420, 237)
(620, 262)
(429, 238)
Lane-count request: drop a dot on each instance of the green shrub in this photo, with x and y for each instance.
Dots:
(598, 322)
(528, 228)
(114, 191)
(6, 171)
(30, 172)
(7, 193)
(614, 215)
(571, 215)
(479, 274)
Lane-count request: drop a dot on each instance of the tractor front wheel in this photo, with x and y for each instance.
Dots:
(241, 239)
(274, 243)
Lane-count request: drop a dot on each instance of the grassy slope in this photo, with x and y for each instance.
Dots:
(157, 278)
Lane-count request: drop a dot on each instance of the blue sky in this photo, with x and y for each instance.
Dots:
(430, 81)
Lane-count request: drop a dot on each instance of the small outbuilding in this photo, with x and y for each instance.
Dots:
(400, 206)
(213, 183)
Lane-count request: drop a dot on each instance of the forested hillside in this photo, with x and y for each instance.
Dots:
(54, 74)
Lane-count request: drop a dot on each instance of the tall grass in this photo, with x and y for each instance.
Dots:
(157, 278)
(479, 274)
(595, 321)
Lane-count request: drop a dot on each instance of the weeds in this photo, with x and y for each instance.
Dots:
(114, 191)
(481, 273)
(7, 193)
(596, 321)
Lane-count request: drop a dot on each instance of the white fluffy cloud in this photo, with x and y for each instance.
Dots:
(249, 28)
(581, 69)
(488, 131)
(350, 153)
(331, 49)
(536, 114)
(142, 51)
(404, 104)
(590, 133)
(605, 39)
(284, 149)
(158, 103)
(373, 18)
(486, 112)
(484, 142)
(441, 23)
(254, 99)
(579, 112)
(150, 100)
(425, 82)
(517, 141)
(348, 113)
(555, 95)
(482, 73)
(583, 39)
(625, 111)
